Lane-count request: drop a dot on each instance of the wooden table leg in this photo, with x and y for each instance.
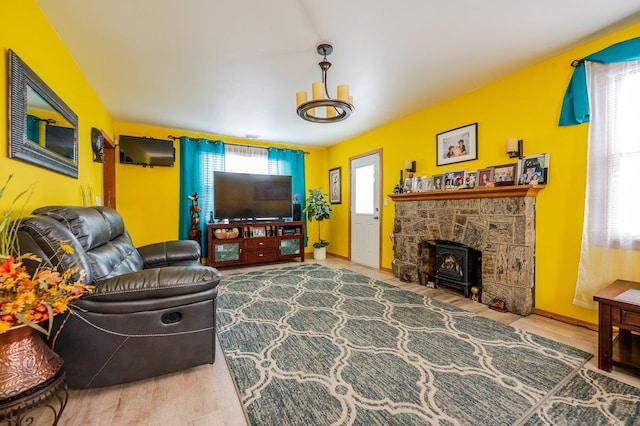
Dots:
(604, 337)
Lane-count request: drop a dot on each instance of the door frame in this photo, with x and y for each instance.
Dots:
(351, 159)
(109, 172)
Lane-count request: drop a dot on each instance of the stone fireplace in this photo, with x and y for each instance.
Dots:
(498, 222)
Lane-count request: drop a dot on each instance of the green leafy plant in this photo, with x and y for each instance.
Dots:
(318, 209)
(9, 227)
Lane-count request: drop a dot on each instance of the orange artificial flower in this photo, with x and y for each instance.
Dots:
(27, 299)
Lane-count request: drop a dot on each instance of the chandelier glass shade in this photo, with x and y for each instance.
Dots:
(321, 108)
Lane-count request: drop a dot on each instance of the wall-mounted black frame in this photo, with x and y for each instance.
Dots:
(21, 79)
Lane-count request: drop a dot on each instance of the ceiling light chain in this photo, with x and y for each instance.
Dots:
(334, 109)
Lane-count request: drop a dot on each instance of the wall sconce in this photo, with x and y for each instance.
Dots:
(410, 166)
(514, 148)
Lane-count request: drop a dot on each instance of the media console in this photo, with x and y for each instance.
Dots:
(254, 242)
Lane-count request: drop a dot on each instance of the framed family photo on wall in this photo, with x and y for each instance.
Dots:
(335, 185)
(457, 145)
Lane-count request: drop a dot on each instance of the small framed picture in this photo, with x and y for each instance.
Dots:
(533, 169)
(470, 179)
(457, 145)
(505, 174)
(408, 185)
(335, 185)
(419, 184)
(454, 180)
(438, 182)
(428, 184)
(259, 231)
(485, 176)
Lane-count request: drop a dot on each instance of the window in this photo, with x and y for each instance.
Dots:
(364, 181)
(614, 163)
(246, 159)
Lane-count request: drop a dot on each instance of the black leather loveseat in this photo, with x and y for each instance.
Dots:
(153, 308)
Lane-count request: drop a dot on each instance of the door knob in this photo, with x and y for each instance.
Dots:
(376, 217)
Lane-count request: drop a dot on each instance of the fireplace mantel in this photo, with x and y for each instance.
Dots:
(460, 194)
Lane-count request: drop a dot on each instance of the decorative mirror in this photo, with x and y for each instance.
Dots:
(43, 130)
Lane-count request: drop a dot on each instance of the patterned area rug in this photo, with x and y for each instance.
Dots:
(312, 345)
(590, 398)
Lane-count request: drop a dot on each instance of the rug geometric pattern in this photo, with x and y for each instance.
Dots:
(308, 344)
(590, 398)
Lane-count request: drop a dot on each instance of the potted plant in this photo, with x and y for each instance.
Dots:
(318, 208)
(28, 303)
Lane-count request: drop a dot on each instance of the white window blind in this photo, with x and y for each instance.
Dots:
(623, 153)
(246, 159)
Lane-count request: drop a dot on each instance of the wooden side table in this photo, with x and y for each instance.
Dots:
(623, 313)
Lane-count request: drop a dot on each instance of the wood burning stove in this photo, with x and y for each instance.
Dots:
(458, 266)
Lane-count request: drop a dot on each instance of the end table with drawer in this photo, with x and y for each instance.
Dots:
(619, 306)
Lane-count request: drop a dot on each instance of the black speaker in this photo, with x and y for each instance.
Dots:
(297, 212)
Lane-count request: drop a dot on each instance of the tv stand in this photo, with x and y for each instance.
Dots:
(255, 242)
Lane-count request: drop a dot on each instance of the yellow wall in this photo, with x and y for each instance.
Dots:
(148, 198)
(524, 105)
(25, 30)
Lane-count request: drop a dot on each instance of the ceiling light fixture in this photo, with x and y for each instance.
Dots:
(323, 109)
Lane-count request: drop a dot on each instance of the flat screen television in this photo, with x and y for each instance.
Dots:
(243, 197)
(61, 140)
(146, 151)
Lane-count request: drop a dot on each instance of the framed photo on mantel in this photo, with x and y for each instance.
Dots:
(505, 174)
(533, 169)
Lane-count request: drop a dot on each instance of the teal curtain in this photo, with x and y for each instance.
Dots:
(199, 158)
(575, 107)
(287, 162)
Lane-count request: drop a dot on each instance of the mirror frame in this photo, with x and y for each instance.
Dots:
(21, 76)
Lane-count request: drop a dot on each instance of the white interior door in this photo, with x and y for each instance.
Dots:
(365, 210)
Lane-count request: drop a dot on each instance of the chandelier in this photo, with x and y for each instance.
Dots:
(323, 109)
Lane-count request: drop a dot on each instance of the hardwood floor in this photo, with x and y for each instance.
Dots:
(206, 395)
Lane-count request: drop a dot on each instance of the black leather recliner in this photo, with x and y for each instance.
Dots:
(153, 308)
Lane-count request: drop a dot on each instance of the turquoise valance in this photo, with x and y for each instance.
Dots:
(575, 107)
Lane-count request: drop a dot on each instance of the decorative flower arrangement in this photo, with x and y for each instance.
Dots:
(33, 299)
(296, 198)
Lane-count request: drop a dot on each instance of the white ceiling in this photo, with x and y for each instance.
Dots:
(232, 68)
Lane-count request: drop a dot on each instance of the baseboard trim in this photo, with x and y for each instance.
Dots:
(338, 256)
(382, 268)
(565, 319)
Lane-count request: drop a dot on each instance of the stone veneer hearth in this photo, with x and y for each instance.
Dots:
(500, 222)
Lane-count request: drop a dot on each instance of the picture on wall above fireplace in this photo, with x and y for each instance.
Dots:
(457, 145)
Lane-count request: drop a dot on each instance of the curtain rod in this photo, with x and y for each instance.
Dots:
(236, 144)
